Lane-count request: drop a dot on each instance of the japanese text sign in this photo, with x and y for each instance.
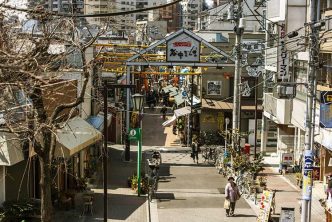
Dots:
(283, 57)
(183, 48)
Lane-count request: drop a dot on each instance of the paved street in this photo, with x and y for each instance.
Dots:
(191, 192)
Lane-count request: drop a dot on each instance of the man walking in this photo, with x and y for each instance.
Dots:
(194, 149)
(232, 194)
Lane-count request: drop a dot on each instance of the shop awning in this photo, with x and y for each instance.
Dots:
(75, 136)
(10, 149)
(169, 121)
(182, 111)
(178, 99)
(223, 105)
(98, 121)
(177, 113)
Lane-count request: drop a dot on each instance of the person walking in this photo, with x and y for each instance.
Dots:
(194, 149)
(164, 111)
(232, 194)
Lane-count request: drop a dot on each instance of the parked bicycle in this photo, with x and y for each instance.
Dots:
(211, 153)
(153, 176)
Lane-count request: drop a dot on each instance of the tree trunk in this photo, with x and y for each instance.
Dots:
(45, 185)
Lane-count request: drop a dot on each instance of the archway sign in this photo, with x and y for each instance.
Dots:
(183, 48)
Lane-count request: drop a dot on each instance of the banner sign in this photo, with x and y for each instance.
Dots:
(283, 57)
(183, 48)
(326, 109)
(265, 206)
(307, 174)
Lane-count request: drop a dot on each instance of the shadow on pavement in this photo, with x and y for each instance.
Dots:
(120, 207)
(244, 215)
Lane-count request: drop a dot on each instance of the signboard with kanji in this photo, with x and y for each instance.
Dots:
(326, 109)
(183, 48)
(265, 206)
(283, 57)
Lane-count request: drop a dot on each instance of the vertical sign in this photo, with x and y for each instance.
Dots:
(307, 174)
(265, 206)
(283, 57)
(183, 48)
(326, 109)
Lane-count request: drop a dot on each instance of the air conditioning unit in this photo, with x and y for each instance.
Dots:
(286, 91)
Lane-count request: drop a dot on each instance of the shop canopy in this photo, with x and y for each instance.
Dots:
(177, 113)
(10, 149)
(76, 135)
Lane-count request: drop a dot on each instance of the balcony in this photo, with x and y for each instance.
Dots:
(278, 110)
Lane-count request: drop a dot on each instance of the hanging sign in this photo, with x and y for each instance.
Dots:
(307, 174)
(283, 55)
(326, 109)
(183, 48)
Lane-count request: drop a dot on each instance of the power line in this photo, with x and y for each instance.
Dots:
(66, 15)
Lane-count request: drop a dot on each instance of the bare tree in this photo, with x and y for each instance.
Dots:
(26, 65)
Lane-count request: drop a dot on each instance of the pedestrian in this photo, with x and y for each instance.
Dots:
(329, 193)
(194, 149)
(232, 194)
(164, 111)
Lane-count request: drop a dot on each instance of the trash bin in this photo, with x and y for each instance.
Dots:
(287, 214)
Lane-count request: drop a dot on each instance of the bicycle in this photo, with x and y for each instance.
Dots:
(153, 177)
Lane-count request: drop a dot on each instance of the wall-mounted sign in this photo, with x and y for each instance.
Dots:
(214, 87)
(283, 57)
(326, 109)
(183, 48)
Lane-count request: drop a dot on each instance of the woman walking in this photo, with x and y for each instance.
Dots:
(232, 194)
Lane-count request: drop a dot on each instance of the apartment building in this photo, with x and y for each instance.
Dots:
(190, 11)
(120, 24)
(73, 6)
(289, 112)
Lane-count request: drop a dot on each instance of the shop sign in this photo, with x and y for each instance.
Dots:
(307, 174)
(265, 206)
(183, 48)
(283, 55)
(326, 109)
(287, 158)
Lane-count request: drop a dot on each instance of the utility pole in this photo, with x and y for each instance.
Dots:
(237, 77)
(309, 127)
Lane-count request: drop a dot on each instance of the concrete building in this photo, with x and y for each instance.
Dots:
(122, 24)
(289, 113)
(215, 19)
(75, 6)
(191, 9)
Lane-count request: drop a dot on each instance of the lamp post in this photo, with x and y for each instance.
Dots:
(137, 100)
(105, 88)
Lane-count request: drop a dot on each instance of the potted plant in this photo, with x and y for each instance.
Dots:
(262, 182)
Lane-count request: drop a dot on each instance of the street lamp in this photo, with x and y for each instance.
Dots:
(137, 100)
